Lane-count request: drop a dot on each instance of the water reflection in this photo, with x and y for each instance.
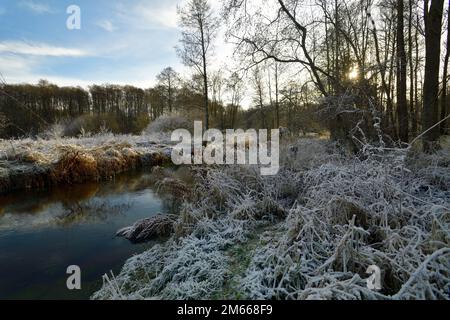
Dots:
(90, 211)
(42, 232)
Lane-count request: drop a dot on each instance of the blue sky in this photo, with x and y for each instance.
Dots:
(120, 41)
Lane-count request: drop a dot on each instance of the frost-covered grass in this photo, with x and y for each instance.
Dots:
(309, 232)
(193, 267)
(47, 150)
(30, 163)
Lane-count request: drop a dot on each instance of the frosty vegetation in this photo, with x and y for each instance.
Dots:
(168, 123)
(148, 229)
(51, 160)
(309, 232)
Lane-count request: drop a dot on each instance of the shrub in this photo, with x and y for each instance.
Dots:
(104, 123)
(168, 123)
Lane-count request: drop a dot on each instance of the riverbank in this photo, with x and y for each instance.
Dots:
(310, 232)
(42, 163)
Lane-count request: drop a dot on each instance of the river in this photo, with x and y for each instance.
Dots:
(43, 232)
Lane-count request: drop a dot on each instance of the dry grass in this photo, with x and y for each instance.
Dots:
(174, 187)
(148, 229)
(41, 163)
(327, 217)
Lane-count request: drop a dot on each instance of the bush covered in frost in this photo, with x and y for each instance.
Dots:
(168, 123)
(310, 232)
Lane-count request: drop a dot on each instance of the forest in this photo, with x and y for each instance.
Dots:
(349, 61)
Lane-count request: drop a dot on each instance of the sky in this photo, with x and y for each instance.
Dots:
(119, 42)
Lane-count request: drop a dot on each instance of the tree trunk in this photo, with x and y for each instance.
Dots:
(170, 94)
(412, 93)
(444, 111)
(337, 44)
(277, 102)
(402, 111)
(416, 77)
(205, 79)
(382, 67)
(430, 113)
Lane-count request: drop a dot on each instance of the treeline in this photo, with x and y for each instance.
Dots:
(29, 110)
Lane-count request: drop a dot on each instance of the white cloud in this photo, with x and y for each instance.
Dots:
(151, 14)
(27, 69)
(36, 7)
(106, 25)
(145, 15)
(164, 17)
(21, 69)
(15, 64)
(39, 49)
(33, 78)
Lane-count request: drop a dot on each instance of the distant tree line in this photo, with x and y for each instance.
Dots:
(31, 109)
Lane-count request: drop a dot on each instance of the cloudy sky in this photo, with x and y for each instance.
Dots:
(120, 41)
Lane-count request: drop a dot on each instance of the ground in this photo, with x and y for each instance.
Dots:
(35, 163)
(309, 232)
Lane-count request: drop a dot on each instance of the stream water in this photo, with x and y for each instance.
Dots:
(43, 232)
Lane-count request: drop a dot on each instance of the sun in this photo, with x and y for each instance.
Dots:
(353, 74)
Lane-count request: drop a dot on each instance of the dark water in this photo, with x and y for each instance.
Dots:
(42, 233)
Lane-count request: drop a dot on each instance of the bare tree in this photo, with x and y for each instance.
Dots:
(444, 107)
(283, 38)
(217, 84)
(382, 66)
(199, 30)
(274, 70)
(412, 75)
(258, 99)
(235, 86)
(168, 79)
(402, 110)
(430, 112)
